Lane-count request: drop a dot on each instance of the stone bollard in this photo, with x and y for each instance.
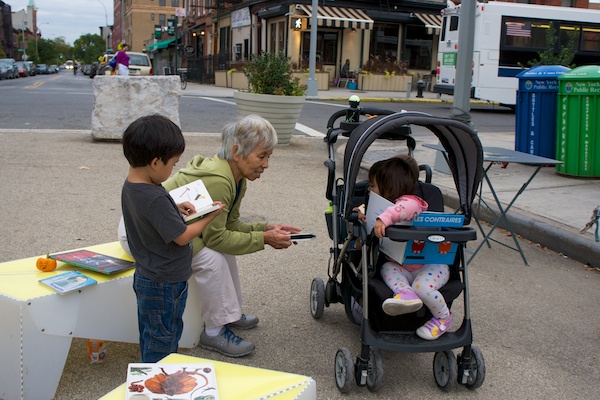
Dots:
(120, 100)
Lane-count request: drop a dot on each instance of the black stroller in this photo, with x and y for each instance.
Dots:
(353, 273)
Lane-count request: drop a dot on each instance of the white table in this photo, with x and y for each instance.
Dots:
(38, 324)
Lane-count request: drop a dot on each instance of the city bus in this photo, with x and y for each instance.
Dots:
(507, 37)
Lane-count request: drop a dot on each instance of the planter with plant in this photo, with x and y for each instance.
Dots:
(386, 75)
(273, 93)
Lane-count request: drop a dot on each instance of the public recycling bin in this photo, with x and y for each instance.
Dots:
(535, 113)
(578, 123)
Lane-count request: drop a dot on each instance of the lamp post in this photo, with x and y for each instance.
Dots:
(106, 26)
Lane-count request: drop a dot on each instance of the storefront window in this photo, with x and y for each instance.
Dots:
(326, 47)
(417, 47)
(384, 41)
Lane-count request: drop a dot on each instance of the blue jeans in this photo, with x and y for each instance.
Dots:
(160, 311)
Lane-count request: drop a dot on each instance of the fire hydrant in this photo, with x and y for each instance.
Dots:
(420, 87)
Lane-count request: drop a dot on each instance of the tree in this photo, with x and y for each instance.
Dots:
(88, 47)
(554, 53)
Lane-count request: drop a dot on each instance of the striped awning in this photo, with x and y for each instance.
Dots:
(430, 20)
(339, 17)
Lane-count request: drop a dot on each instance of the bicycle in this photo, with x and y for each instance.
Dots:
(183, 77)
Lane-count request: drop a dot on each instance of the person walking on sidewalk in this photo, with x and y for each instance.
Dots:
(122, 59)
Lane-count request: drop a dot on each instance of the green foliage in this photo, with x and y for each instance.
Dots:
(271, 73)
(565, 54)
(87, 48)
(2, 53)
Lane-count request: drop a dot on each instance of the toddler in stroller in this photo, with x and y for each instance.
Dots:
(413, 285)
(355, 271)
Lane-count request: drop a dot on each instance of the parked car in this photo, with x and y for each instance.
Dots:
(53, 69)
(139, 64)
(42, 69)
(9, 68)
(22, 69)
(32, 67)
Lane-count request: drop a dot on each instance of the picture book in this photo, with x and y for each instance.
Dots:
(416, 251)
(197, 194)
(68, 281)
(171, 381)
(93, 261)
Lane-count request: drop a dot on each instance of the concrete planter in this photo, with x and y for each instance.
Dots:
(380, 82)
(237, 80)
(221, 79)
(321, 77)
(281, 111)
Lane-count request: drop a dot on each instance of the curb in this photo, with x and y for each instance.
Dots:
(570, 244)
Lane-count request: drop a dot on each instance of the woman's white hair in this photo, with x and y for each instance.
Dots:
(248, 132)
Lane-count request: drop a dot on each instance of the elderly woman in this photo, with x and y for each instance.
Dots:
(243, 156)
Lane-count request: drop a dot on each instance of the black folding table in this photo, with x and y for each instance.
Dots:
(492, 155)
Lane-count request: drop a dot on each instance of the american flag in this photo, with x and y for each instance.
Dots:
(518, 29)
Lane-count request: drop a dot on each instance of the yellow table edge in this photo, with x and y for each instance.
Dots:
(250, 382)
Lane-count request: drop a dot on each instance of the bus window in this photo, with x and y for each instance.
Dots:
(454, 23)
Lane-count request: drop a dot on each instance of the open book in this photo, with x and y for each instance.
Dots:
(416, 251)
(68, 281)
(197, 194)
(172, 381)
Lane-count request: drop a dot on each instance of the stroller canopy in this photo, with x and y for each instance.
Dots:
(461, 143)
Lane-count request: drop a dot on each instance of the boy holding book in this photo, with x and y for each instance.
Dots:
(157, 235)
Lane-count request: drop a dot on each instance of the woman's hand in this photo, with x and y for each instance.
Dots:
(287, 228)
(278, 238)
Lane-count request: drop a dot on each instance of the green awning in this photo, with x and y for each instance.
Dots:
(160, 45)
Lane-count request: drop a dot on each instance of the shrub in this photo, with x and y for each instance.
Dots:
(270, 73)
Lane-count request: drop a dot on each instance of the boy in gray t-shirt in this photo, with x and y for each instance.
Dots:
(157, 235)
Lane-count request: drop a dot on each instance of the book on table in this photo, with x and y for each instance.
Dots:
(196, 193)
(68, 282)
(93, 261)
(172, 381)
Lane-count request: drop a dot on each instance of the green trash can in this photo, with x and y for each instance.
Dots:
(578, 122)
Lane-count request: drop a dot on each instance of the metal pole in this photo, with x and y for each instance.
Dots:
(311, 82)
(106, 27)
(464, 62)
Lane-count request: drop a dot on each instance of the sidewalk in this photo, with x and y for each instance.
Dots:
(550, 212)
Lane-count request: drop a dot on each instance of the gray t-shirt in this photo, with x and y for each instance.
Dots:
(152, 222)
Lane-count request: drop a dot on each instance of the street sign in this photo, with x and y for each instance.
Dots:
(180, 12)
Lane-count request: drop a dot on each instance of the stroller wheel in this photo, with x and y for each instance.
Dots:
(445, 370)
(375, 370)
(344, 370)
(476, 369)
(317, 298)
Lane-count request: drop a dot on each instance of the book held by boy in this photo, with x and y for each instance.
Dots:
(68, 282)
(415, 251)
(171, 381)
(93, 261)
(197, 194)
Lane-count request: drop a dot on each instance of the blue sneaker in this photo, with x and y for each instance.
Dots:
(227, 343)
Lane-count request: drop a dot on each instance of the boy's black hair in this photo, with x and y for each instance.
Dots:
(150, 137)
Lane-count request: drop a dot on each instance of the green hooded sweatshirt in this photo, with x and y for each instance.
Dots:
(226, 233)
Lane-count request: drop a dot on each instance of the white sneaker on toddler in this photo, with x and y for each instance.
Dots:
(404, 302)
